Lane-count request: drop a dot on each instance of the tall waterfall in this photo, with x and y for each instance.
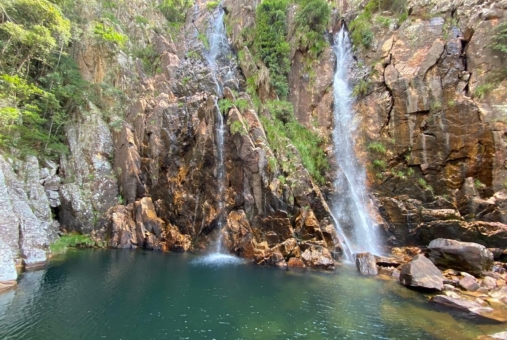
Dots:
(218, 47)
(219, 126)
(219, 53)
(350, 206)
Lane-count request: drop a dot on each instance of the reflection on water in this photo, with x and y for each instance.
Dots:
(151, 295)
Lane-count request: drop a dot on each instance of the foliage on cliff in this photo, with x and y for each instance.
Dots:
(39, 82)
(270, 42)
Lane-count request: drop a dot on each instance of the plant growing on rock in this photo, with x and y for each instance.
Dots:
(312, 19)
(284, 128)
(269, 42)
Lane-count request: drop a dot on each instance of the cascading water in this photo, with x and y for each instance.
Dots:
(218, 46)
(218, 49)
(350, 206)
(219, 126)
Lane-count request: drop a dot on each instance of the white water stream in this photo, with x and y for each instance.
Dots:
(351, 202)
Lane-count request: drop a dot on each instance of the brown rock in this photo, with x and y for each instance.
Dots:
(176, 241)
(470, 257)
(318, 257)
(421, 273)
(469, 283)
(366, 264)
(470, 307)
(296, 262)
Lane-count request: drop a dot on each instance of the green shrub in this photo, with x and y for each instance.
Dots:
(212, 5)
(175, 10)
(377, 147)
(283, 129)
(312, 18)
(499, 41)
(108, 34)
(241, 104)
(482, 90)
(361, 88)
(224, 105)
(269, 42)
(71, 241)
(379, 164)
(237, 127)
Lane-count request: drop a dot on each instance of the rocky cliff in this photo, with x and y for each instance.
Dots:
(143, 167)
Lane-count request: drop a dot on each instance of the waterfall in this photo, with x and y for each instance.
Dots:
(218, 46)
(350, 206)
(219, 133)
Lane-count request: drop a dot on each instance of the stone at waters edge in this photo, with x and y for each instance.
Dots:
(470, 257)
(421, 273)
(366, 264)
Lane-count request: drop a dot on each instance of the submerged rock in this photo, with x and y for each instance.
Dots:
(421, 273)
(366, 264)
(470, 257)
(471, 307)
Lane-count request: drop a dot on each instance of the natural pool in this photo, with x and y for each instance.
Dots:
(99, 294)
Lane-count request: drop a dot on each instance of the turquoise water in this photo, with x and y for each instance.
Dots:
(95, 294)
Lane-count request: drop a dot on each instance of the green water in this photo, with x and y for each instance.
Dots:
(153, 295)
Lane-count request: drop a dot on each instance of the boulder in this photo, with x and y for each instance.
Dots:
(295, 262)
(421, 273)
(366, 264)
(469, 283)
(318, 257)
(470, 257)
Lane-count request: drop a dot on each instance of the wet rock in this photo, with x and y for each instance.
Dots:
(421, 273)
(318, 257)
(469, 283)
(488, 283)
(177, 241)
(237, 235)
(469, 257)
(499, 293)
(496, 336)
(295, 262)
(366, 264)
(470, 307)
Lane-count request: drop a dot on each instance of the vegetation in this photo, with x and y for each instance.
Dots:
(425, 185)
(175, 10)
(238, 127)
(39, 83)
(270, 42)
(377, 147)
(284, 128)
(361, 26)
(499, 41)
(361, 88)
(312, 18)
(71, 241)
(107, 34)
(212, 5)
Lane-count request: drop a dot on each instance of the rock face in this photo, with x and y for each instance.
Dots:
(26, 226)
(366, 264)
(421, 273)
(469, 257)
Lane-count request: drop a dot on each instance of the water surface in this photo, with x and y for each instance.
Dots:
(99, 294)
